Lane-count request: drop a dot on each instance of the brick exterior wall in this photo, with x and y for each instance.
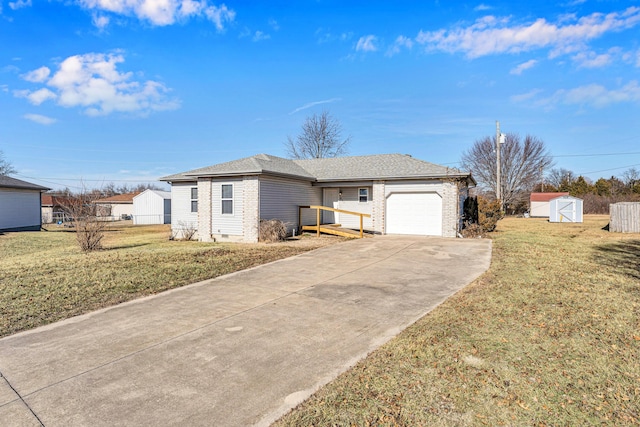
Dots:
(378, 208)
(251, 214)
(204, 210)
(449, 209)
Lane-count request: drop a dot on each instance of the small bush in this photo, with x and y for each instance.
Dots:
(185, 231)
(89, 233)
(471, 231)
(272, 230)
(489, 213)
(481, 216)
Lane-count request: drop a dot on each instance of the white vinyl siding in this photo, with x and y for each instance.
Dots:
(226, 224)
(181, 214)
(280, 198)
(540, 209)
(351, 202)
(121, 210)
(19, 208)
(150, 207)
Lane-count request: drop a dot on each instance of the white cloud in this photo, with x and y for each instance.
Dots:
(37, 76)
(93, 83)
(592, 60)
(274, 24)
(400, 43)
(19, 4)
(366, 44)
(326, 36)
(594, 95)
(482, 7)
(526, 96)
(259, 35)
(38, 118)
(522, 67)
(39, 96)
(313, 104)
(161, 12)
(100, 21)
(220, 15)
(490, 35)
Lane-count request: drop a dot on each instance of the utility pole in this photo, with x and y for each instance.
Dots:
(498, 188)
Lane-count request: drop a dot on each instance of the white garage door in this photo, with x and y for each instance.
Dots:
(414, 213)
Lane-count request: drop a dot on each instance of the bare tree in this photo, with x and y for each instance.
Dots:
(89, 228)
(561, 178)
(631, 177)
(6, 168)
(320, 138)
(522, 164)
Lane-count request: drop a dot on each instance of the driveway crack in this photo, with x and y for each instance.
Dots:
(6, 380)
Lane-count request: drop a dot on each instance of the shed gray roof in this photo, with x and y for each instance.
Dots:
(161, 193)
(8, 182)
(380, 166)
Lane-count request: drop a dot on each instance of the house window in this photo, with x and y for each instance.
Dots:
(227, 199)
(363, 195)
(194, 199)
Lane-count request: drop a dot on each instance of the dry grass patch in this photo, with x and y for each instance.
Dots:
(549, 336)
(45, 277)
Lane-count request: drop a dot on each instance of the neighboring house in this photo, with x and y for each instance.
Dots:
(53, 207)
(539, 203)
(403, 195)
(152, 207)
(20, 205)
(116, 207)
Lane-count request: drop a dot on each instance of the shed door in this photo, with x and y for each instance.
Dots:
(567, 211)
(414, 213)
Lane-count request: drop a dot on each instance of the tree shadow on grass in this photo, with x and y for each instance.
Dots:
(126, 246)
(623, 256)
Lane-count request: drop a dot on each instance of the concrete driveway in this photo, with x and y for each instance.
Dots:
(234, 351)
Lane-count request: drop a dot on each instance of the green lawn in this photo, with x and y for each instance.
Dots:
(45, 277)
(549, 336)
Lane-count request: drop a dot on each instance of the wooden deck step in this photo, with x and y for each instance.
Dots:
(336, 230)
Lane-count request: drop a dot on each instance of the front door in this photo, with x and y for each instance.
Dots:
(331, 199)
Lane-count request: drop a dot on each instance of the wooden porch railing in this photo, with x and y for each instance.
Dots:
(325, 208)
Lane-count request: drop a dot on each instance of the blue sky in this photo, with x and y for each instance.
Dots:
(126, 91)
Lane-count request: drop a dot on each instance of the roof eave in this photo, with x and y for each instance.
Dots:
(398, 178)
(193, 177)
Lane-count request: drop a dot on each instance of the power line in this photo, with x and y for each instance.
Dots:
(612, 169)
(596, 155)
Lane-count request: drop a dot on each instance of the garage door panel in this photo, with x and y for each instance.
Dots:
(414, 213)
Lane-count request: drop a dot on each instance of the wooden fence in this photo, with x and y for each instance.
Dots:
(624, 217)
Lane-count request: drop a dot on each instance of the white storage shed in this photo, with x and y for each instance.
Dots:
(20, 205)
(565, 209)
(539, 203)
(152, 207)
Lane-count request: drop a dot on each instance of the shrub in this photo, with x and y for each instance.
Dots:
(185, 231)
(481, 216)
(489, 213)
(272, 230)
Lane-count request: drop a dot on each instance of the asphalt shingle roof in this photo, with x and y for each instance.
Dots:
(118, 198)
(380, 166)
(8, 182)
